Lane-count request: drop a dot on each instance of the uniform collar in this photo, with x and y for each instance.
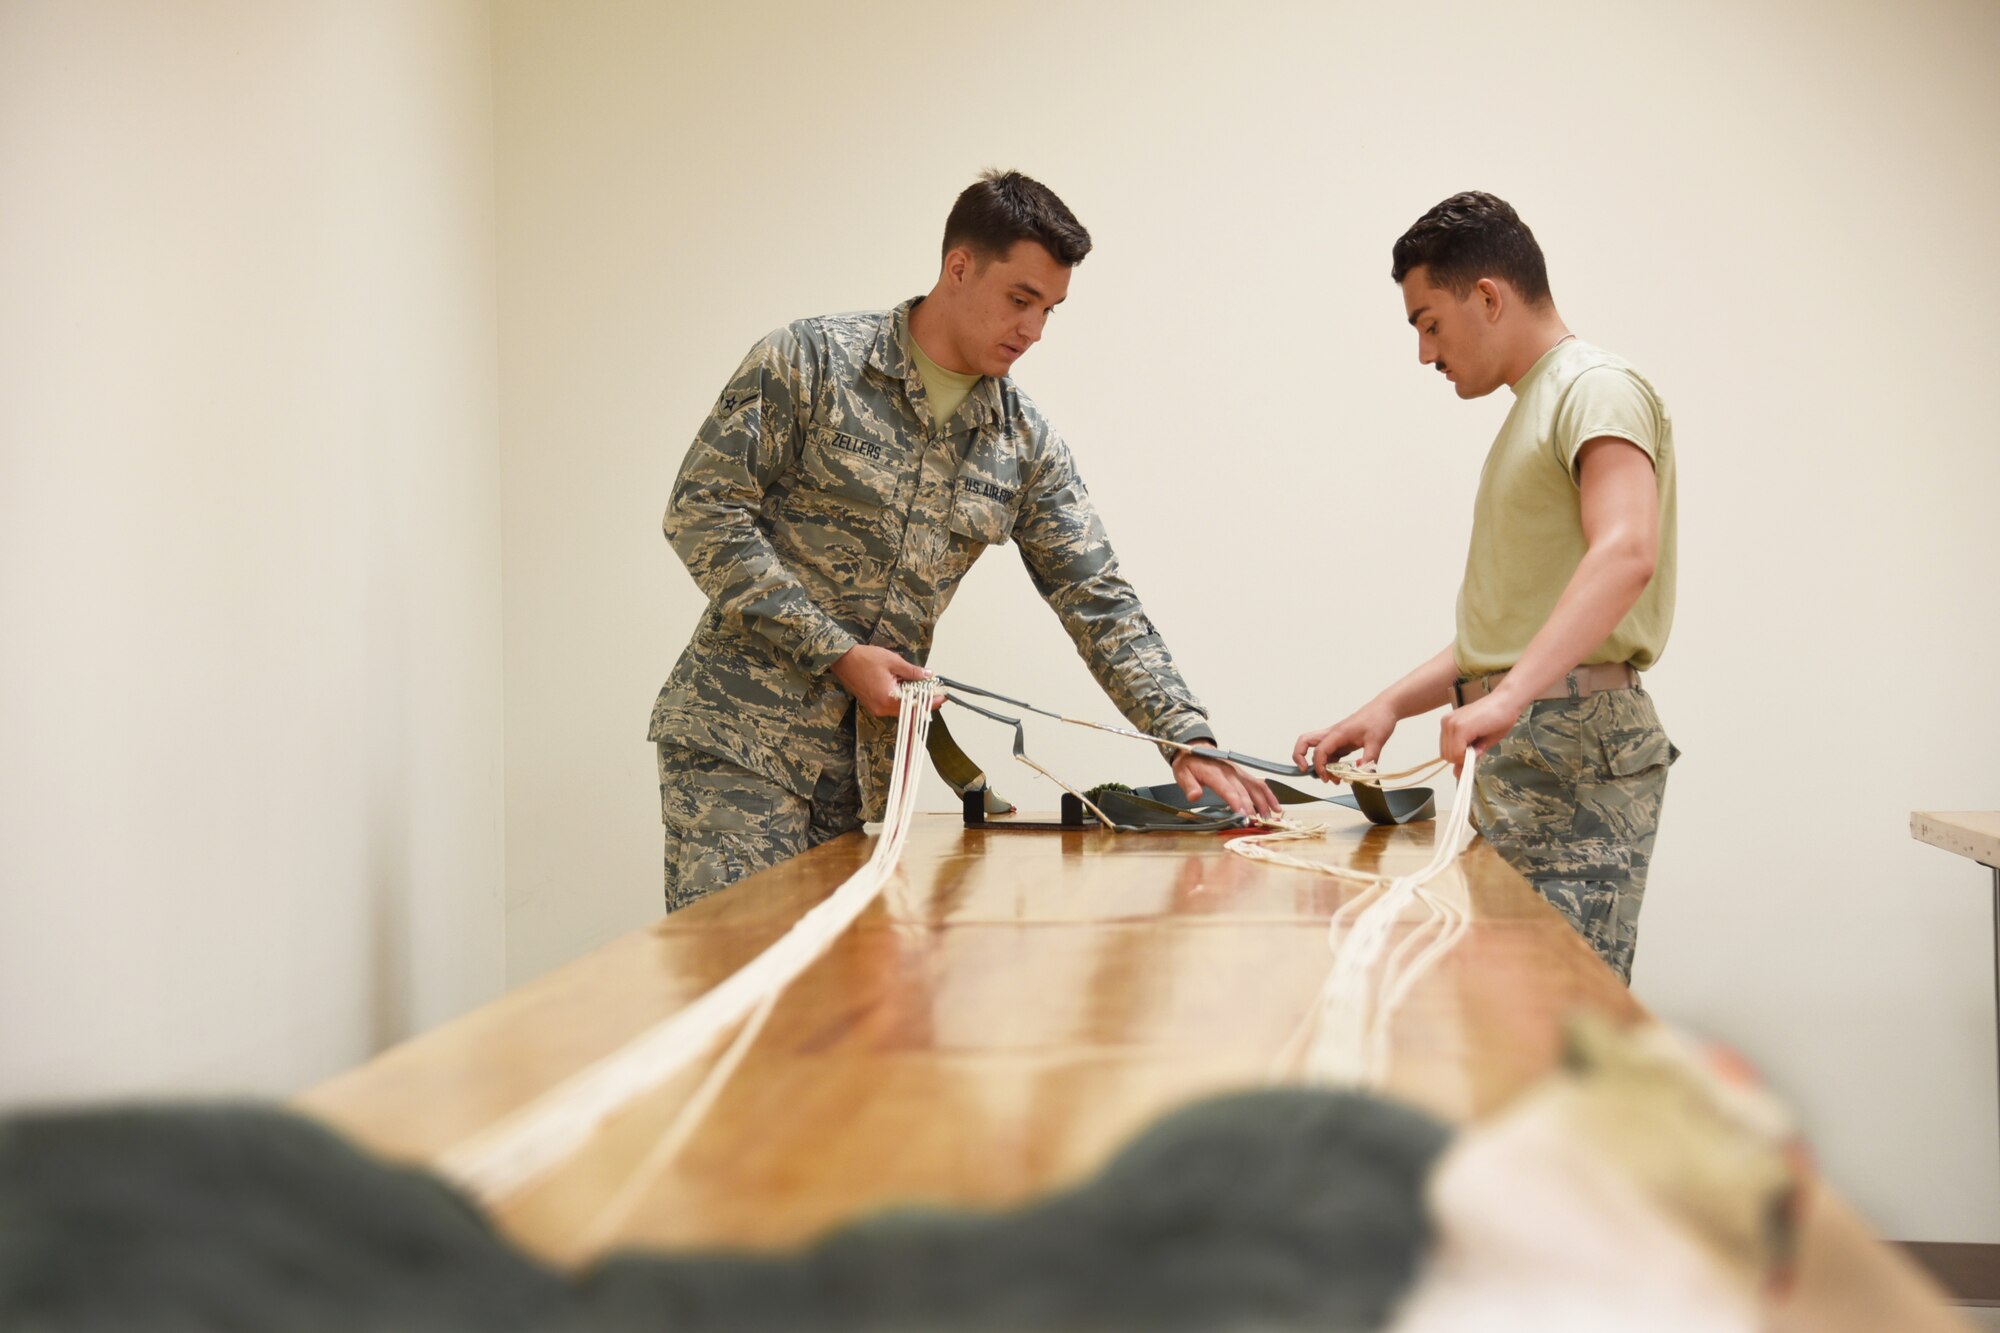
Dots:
(890, 358)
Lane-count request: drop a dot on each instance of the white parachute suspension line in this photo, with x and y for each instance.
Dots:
(1286, 1063)
(1257, 847)
(601, 1227)
(1358, 1007)
(529, 1142)
(1350, 1023)
(1398, 981)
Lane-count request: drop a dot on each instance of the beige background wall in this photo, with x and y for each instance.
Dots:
(250, 746)
(1780, 211)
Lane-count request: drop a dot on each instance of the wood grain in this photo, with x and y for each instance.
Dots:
(1014, 1008)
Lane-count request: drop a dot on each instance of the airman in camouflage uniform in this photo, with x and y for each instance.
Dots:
(1569, 582)
(823, 506)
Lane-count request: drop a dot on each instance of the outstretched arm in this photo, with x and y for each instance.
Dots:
(1369, 727)
(1069, 557)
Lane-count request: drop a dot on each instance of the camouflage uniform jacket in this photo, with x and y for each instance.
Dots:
(820, 507)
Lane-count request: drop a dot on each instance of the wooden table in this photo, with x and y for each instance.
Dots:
(1014, 1008)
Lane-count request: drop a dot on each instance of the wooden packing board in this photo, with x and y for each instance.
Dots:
(1968, 833)
(1012, 1010)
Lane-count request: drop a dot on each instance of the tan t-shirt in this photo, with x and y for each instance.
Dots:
(1527, 524)
(945, 390)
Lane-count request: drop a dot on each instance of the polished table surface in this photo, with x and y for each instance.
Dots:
(1014, 1008)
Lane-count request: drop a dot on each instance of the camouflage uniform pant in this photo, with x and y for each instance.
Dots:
(1571, 799)
(724, 823)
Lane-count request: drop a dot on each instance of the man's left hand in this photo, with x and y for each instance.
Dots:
(1245, 794)
(1477, 726)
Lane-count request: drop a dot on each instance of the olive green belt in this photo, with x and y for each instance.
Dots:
(1578, 684)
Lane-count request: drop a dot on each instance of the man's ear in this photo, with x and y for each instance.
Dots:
(958, 264)
(1492, 298)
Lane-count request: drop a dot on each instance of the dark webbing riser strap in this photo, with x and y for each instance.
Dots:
(1405, 805)
(951, 684)
(958, 769)
(1212, 751)
(1163, 806)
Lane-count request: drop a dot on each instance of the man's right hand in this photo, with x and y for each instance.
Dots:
(1367, 729)
(871, 674)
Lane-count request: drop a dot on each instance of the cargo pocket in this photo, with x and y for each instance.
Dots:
(705, 795)
(1627, 754)
(1625, 805)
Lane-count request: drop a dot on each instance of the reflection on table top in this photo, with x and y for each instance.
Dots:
(1013, 1008)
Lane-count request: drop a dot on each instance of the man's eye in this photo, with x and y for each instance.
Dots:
(1019, 304)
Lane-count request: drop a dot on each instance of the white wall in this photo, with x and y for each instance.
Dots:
(1782, 212)
(250, 791)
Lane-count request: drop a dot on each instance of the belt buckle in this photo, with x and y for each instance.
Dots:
(1458, 691)
(1575, 684)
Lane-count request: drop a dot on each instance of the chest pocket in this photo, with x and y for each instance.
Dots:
(980, 518)
(851, 467)
(986, 492)
(976, 522)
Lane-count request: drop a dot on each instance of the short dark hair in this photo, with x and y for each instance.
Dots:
(1471, 236)
(1003, 207)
